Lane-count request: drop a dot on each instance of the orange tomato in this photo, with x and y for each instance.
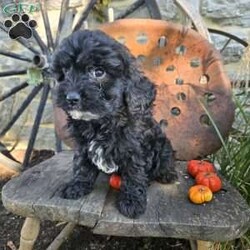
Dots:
(196, 166)
(115, 181)
(211, 180)
(199, 194)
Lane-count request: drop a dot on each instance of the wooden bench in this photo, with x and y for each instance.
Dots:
(35, 195)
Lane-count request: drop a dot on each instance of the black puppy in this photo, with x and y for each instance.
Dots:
(109, 106)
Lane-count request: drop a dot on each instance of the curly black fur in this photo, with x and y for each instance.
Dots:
(109, 106)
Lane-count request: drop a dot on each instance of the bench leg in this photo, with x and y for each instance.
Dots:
(64, 235)
(205, 245)
(29, 233)
(201, 245)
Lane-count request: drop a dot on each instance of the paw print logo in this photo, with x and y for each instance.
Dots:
(20, 26)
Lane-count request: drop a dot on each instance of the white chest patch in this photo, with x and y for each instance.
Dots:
(79, 115)
(98, 159)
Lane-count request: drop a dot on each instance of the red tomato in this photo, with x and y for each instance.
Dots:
(115, 181)
(196, 166)
(211, 180)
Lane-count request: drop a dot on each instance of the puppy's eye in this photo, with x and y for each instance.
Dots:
(97, 72)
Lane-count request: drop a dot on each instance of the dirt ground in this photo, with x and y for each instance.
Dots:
(81, 238)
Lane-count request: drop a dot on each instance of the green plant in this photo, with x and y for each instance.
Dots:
(99, 10)
(234, 156)
(234, 159)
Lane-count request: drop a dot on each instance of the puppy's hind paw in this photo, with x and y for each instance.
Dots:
(131, 208)
(74, 191)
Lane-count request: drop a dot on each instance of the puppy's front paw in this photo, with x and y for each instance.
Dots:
(131, 207)
(75, 190)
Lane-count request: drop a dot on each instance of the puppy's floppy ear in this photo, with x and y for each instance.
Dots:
(140, 93)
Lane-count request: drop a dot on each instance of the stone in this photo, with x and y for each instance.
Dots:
(233, 51)
(9, 106)
(45, 137)
(120, 6)
(227, 12)
(47, 113)
(56, 4)
(169, 10)
(6, 111)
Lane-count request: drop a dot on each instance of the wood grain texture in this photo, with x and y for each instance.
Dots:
(36, 193)
(169, 212)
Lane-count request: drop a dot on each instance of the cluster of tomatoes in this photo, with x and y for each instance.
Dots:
(206, 179)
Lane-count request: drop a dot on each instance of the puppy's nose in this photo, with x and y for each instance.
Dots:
(73, 97)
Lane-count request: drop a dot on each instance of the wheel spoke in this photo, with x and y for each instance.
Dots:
(153, 9)
(13, 91)
(85, 14)
(233, 37)
(63, 11)
(40, 42)
(44, 11)
(21, 40)
(58, 143)
(35, 128)
(21, 109)
(13, 72)
(225, 45)
(16, 56)
(130, 9)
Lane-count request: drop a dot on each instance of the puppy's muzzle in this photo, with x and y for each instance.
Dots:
(73, 98)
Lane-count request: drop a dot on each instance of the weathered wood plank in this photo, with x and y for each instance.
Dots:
(36, 193)
(192, 10)
(22, 192)
(91, 209)
(85, 211)
(218, 220)
(170, 214)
